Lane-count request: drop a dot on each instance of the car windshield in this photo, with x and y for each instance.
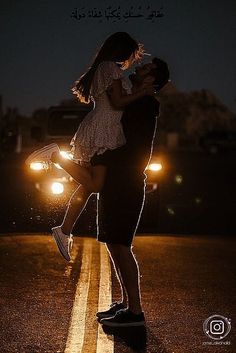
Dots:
(65, 123)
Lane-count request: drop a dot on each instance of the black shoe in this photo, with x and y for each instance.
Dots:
(124, 318)
(114, 307)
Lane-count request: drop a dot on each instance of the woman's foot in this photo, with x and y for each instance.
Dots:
(64, 242)
(43, 154)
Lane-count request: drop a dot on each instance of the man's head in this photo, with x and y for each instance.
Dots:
(160, 72)
(156, 73)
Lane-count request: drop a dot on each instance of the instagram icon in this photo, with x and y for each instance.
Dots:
(217, 327)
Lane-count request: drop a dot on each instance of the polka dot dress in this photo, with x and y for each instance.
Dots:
(101, 129)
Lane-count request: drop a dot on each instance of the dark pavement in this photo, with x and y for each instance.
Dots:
(185, 280)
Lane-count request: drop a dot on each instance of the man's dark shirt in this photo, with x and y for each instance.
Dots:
(130, 160)
(121, 199)
(139, 121)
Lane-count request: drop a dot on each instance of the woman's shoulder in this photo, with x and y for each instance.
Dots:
(106, 72)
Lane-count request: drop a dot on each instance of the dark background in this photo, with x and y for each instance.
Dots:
(44, 49)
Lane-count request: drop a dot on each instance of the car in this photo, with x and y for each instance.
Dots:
(218, 141)
(52, 186)
(61, 124)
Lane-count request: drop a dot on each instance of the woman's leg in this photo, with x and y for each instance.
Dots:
(75, 206)
(62, 233)
(92, 177)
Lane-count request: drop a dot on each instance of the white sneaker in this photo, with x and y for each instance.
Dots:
(64, 242)
(43, 154)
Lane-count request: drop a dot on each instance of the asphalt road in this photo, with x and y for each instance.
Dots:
(48, 305)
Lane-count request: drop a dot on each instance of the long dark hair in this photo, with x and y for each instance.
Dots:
(119, 47)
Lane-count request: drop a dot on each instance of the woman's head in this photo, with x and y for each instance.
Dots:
(120, 48)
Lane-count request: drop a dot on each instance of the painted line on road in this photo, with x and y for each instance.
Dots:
(104, 344)
(76, 332)
(78, 338)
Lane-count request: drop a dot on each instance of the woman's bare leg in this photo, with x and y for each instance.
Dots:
(75, 206)
(92, 178)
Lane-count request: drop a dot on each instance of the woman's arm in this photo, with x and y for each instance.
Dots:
(120, 100)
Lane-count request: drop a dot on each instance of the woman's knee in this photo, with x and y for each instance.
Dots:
(80, 194)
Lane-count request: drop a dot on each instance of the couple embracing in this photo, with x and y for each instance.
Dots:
(111, 150)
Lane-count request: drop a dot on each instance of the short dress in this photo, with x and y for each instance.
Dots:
(101, 129)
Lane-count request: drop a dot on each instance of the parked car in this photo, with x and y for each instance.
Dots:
(61, 124)
(50, 186)
(218, 141)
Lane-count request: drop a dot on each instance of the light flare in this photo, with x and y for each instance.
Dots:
(57, 188)
(37, 166)
(66, 155)
(155, 167)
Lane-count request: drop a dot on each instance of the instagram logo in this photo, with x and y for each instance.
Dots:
(217, 327)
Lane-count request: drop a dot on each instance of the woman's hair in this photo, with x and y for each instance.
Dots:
(160, 72)
(120, 48)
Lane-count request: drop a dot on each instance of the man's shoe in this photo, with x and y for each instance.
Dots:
(124, 318)
(43, 154)
(114, 307)
(64, 242)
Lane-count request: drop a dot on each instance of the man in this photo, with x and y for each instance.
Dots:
(121, 200)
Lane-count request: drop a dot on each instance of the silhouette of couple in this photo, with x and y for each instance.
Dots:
(111, 150)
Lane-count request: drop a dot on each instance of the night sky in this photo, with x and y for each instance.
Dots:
(44, 50)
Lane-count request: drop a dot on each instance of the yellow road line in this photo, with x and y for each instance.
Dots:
(104, 344)
(76, 342)
(76, 332)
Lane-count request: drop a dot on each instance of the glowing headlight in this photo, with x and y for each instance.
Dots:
(154, 167)
(57, 188)
(37, 166)
(66, 155)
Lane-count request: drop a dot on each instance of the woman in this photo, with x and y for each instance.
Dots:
(101, 129)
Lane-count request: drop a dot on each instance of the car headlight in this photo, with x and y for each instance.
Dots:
(37, 165)
(57, 188)
(154, 167)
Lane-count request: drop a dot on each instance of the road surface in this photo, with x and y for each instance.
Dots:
(48, 305)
